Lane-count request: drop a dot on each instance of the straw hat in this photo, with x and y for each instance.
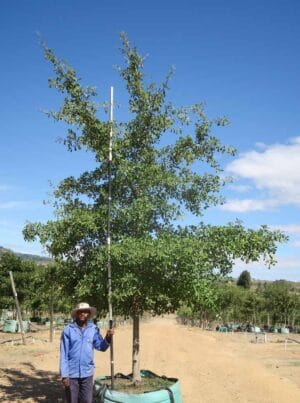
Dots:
(82, 306)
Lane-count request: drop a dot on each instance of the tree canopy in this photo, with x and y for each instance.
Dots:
(22, 272)
(244, 279)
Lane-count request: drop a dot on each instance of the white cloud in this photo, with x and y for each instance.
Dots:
(244, 205)
(283, 262)
(274, 169)
(291, 228)
(296, 244)
(240, 188)
(287, 267)
(288, 262)
(260, 145)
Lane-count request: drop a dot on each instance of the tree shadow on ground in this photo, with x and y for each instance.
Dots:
(30, 383)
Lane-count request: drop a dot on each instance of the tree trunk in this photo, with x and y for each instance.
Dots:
(136, 343)
(285, 319)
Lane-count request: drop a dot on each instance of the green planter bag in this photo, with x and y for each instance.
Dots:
(10, 326)
(171, 394)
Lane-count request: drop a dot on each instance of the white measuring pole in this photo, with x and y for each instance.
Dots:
(109, 234)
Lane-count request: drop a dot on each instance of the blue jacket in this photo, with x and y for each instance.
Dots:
(77, 350)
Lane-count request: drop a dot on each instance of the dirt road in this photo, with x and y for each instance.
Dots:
(212, 367)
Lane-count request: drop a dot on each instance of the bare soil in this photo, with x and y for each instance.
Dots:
(211, 366)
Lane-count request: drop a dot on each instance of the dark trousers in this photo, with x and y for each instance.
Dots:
(80, 390)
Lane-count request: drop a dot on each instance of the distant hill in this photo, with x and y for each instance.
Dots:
(26, 256)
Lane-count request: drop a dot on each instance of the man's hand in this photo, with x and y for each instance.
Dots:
(109, 335)
(66, 382)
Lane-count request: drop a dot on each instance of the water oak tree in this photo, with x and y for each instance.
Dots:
(244, 279)
(165, 163)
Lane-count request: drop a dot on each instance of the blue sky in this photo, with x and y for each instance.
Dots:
(241, 57)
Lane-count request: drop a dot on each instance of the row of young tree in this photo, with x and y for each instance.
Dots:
(39, 287)
(274, 303)
(41, 292)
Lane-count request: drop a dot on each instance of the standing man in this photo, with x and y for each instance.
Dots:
(78, 341)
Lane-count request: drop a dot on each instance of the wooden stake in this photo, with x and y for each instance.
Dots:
(17, 306)
(51, 316)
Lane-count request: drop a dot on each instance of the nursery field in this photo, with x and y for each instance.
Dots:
(211, 366)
